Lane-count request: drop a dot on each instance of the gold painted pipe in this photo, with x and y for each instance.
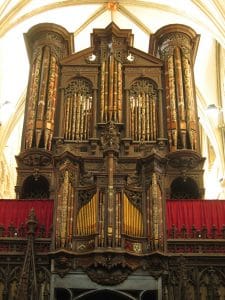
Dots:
(120, 92)
(102, 92)
(106, 91)
(147, 117)
(110, 98)
(115, 92)
(42, 95)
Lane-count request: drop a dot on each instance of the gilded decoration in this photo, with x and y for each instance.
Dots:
(143, 98)
(78, 110)
(110, 137)
(94, 130)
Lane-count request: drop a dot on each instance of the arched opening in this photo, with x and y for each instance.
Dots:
(35, 188)
(149, 295)
(184, 188)
(62, 294)
(105, 294)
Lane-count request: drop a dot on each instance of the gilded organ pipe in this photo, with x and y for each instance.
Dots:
(154, 118)
(179, 84)
(148, 117)
(120, 91)
(78, 115)
(32, 101)
(84, 100)
(171, 104)
(143, 117)
(180, 96)
(51, 102)
(139, 116)
(42, 95)
(110, 80)
(132, 219)
(101, 219)
(115, 92)
(191, 119)
(106, 93)
(102, 92)
(87, 218)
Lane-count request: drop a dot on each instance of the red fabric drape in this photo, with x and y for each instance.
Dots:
(16, 212)
(195, 212)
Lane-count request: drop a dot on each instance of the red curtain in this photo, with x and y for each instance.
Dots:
(16, 212)
(199, 213)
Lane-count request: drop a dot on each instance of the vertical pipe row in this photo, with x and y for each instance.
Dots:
(86, 218)
(78, 117)
(143, 118)
(132, 219)
(111, 90)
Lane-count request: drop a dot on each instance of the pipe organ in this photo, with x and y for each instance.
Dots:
(110, 128)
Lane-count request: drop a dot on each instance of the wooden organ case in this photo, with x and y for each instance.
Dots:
(109, 133)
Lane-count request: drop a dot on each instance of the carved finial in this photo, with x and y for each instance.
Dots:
(32, 222)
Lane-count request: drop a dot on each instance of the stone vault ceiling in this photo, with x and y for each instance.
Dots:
(206, 17)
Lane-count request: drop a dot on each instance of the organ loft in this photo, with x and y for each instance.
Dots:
(110, 133)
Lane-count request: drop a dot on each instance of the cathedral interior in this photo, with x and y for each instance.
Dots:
(112, 161)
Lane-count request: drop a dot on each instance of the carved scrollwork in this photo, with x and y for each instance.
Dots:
(135, 197)
(109, 269)
(184, 160)
(173, 40)
(110, 137)
(84, 196)
(133, 180)
(79, 85)
(87, 179)
(156, 265)
(143, 86)
(36, 159)
(110, 277)
(55, 41)
(63, 264)
(71, 176)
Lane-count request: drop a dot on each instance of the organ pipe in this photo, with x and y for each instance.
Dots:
(32, 101)
(171, 104)
(51, 103)
(102, 92)
(77, 116)
(42, 95)
(191, 119)
(87, 218)
(132, 219)
(119, 92)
